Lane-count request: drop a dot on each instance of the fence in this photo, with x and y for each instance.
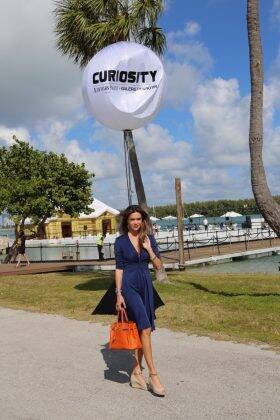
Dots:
(84, 252)
(218, 238)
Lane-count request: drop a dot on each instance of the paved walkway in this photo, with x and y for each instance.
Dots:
(168, 257)
(54, 368)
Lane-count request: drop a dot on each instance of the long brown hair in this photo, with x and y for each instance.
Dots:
(145, 228)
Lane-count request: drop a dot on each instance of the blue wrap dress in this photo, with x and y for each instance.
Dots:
(137, 287)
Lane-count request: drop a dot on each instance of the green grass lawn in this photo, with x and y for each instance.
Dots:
(239, 307)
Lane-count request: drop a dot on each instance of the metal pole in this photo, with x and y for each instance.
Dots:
(217, 240)
(77, 251)
(127, 173)
(188, 248)
(180, 215)
(139, 187)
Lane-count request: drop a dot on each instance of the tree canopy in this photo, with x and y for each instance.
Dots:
(213, 208)
(36, 184)
(84, 27)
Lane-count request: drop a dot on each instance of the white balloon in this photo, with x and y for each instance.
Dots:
(123, 85)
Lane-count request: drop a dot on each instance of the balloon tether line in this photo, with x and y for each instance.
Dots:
(127, 171)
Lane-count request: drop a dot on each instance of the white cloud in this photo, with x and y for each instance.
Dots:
(159, 152)
(221, 122)
(162, 159)
(184, 50)
(198, 183)
(192, 52)
(192, 28)
(40, 94)
(275, 12)
(36, 82)
(187, 64)
(53, 137)
(272, 152)
(167, 4)
(182, 82)
(6, 135)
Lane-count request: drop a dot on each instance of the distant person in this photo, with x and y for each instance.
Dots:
(205, 223)
(21, 249)
(99, 243)
(155, 229)
(222, 226)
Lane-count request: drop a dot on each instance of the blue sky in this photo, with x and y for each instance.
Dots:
(201, 132)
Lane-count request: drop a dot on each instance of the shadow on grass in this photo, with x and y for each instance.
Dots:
(100, 282)
(119, 364)
(229, 294)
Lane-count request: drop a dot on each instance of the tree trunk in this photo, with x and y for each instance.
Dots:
(139, 187)
(11, 255)
(268, 207)
(180, 215)
(40, 228)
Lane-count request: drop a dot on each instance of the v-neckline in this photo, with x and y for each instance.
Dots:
(138, 253)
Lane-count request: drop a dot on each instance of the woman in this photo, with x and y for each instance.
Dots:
(21, 248)
(134, 249)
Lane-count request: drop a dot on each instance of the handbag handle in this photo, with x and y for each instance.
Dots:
(122, 315)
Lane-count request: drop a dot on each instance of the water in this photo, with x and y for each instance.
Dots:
(253, 265)
(7, 232)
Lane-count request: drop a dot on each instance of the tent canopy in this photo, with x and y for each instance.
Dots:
(231, 214)
(98, 208)
(196, 215)
(154, 219)
(169, 218)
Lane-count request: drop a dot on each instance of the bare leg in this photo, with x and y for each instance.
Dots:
(137, 379)
(18, 260)
(26, 259)
(138, 360)
(147, 350)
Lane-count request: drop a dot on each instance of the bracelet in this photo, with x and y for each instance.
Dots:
(118, 291)
(152, 259)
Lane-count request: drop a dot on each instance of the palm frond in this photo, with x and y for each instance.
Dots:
(83, 27)
(147, 11)
(154, 38)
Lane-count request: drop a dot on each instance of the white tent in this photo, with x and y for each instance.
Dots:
(98, 208)
(154, 219)
(196, 215)
(231, 214)
(169, 218)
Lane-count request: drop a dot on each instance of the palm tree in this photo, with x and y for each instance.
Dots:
(84, 27)
(268, 207)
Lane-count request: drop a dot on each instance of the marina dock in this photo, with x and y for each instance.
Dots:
(193, 257)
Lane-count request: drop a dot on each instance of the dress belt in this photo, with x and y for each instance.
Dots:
(137, 265)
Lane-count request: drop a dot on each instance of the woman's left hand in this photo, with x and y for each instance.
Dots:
(147, 243)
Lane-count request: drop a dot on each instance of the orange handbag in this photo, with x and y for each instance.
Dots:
(124, 334)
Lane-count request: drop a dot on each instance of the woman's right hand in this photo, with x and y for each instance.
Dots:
(120, 302)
